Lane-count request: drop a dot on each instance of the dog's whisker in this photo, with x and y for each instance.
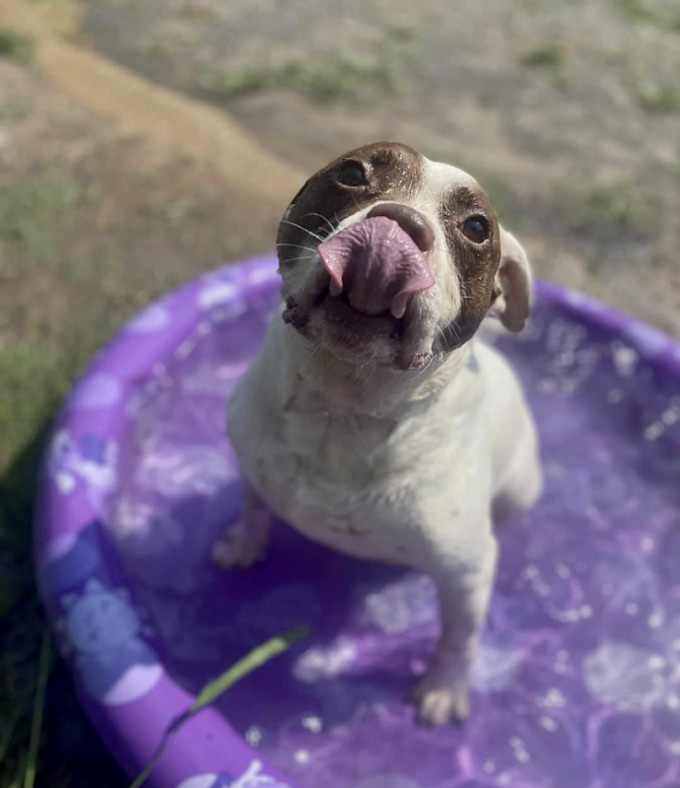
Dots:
(324, 218)
(441, 334)
(313, 353)
(356, 202)
(452, 331)
(304, 229)
(372, 373)
(456, 333)
(296, 246)
(297, 258)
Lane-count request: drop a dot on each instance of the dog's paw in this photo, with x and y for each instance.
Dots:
(438, 704)
(239, 547)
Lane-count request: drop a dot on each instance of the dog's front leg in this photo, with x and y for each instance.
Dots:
(245, 542)
(464, 590)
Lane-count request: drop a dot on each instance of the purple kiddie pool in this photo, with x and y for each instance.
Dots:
(577, 681)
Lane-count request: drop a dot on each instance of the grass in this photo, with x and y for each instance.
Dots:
(651, 95)
(258, 657)
(34, 218)
(549, 56)
(613, 205)
(38, 361)
(14, 110)
(338, 77)
(34, 382)
(643, 12)
(343, 75)
(38, 711)
(61, 296)
(636, 10)
(611, 208)
(16, 46)
(31, 210)
(656, 97)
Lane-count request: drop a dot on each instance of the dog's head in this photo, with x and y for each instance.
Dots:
(390, 258)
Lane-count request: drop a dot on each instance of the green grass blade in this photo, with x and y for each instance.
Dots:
(248, 664)
(143, 776)
(16, 782)
(8, 734)
(38, 710)
(252, 661)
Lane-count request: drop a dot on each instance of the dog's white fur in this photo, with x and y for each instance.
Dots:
(400, 466)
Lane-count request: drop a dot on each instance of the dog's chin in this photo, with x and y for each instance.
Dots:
(355, 337)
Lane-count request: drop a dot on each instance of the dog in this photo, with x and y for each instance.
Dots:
(374, 420)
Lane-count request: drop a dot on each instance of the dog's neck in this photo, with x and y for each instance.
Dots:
(366, 389)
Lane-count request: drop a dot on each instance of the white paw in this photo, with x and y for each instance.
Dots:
(438, 704)
(239, 547)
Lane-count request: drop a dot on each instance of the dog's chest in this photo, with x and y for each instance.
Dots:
(349, 481)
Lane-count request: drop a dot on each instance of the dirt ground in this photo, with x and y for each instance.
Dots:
(568, 111)
(121, 175)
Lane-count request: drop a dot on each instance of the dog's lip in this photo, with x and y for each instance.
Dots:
(338, 307)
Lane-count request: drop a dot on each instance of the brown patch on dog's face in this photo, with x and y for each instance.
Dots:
(390, 171)
(473, 239)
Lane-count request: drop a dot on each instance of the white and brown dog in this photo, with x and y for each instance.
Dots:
(371, 420)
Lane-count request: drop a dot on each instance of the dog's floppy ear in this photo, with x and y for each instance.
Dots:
(513, 284)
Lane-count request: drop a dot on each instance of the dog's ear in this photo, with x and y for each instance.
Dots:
(513, 284)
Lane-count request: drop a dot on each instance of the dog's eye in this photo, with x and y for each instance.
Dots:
(476, 228)
(352, 173)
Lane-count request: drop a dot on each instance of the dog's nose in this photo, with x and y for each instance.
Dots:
(410, 220)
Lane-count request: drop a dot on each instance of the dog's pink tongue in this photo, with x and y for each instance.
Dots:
(377, 264)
